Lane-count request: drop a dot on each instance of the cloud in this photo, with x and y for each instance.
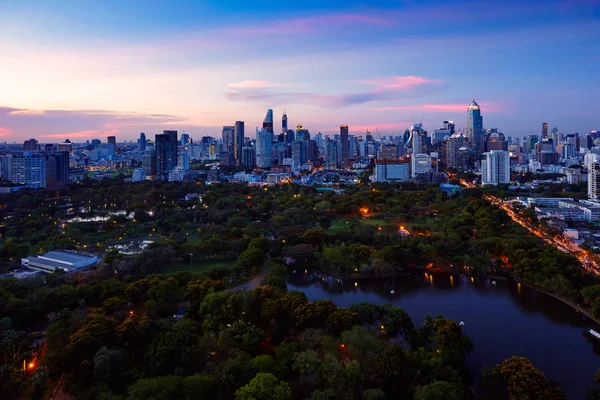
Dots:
(400, 82)
(442, 108)
(385, 89)
(255, 84)
(80, 124)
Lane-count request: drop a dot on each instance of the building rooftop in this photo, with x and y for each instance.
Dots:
(65, 256)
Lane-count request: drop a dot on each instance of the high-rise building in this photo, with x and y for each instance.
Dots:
(495, 167)
(496, 141)
(544, 130)
(248, 157)
(112, 140)
(238, 142)
(453, 145)
(31, 145)
(26, 168)
(475, 131)
(594, 181)
(301, 133)
(185, 139)
(227, 138)
(343, 161)
(166, 154)
(298, 153)
(284, 123)
(66, 146)
(149, 164)
(331, 159)
(57, 169)
(264, 146)
(418, 136)
(268, 121)
(142, 142)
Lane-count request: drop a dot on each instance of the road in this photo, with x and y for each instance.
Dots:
(558, 241)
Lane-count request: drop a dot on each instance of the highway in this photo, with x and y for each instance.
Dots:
(558, 241)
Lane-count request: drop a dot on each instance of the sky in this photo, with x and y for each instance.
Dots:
(88, 69)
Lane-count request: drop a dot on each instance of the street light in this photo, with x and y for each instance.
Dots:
(191, 254)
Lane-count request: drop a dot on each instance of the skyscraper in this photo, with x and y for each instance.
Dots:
(185, 139)
(31, 145)
(268, 122)
(264, 145)
(594, 181)
(544, 130)
(166, 154)
(495, 167)
(142, 142)
(344, 146)
(25, 168)
(332, 156)
(112, 140)
(227, 138)
(284, 124)
(475, 127)
(238, 142)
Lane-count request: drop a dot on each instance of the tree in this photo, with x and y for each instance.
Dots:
(438, 390)
(250, 259)
(523, 381)
(264, 386)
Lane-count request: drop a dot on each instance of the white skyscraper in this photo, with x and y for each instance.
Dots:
(495, 167)
(264, 148)
(594, 181)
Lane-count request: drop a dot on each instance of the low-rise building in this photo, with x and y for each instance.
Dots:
(59, 260)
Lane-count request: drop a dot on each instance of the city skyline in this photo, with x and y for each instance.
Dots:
(118, 70)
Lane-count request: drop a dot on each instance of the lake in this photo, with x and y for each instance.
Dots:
(503, 320)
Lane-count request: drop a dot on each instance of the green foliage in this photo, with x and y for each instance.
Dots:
(264, 386)
(438, 390)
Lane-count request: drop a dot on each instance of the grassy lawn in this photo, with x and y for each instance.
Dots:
(340, 224)
(199, 265)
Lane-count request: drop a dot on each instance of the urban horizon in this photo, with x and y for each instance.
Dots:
(97, 70)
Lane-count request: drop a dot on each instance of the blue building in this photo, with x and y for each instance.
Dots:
(475, 131)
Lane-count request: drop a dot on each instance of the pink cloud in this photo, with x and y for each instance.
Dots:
(5, 132)
(399, 82)
(257, 84)
(75, 135)
(450, 108)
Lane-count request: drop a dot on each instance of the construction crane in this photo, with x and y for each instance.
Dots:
(378, 134)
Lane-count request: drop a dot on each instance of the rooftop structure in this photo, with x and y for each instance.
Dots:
(58, 260)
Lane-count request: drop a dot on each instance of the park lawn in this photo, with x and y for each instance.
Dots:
(199, 265)
(340, 224)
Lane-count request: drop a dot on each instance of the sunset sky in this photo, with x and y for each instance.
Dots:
(87, 69)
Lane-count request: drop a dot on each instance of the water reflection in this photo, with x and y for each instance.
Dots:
(503, 319)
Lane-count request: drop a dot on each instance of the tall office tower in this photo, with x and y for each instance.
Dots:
(268, 121)
(475, 127)
(299, 153)
(142, 142)
(185, 139)
(112, 140)
(284, 124)
(68, 146)
(388, 152)
(417, 137)
(544, 130)
(453, 145)
(249, 157)
(301, 133)
(149, 164)
(331, 159)
(95, 143)
(57, 169)
(264, 148)
(496, 141)
(166, 154)
(495, 167)
(312, 151)
(352, 146)
(594, 181)
(290, 136)
(31, 145)
(26, 168)
(238, 142)
(451, 126)
(343, 161)
(227, 138)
